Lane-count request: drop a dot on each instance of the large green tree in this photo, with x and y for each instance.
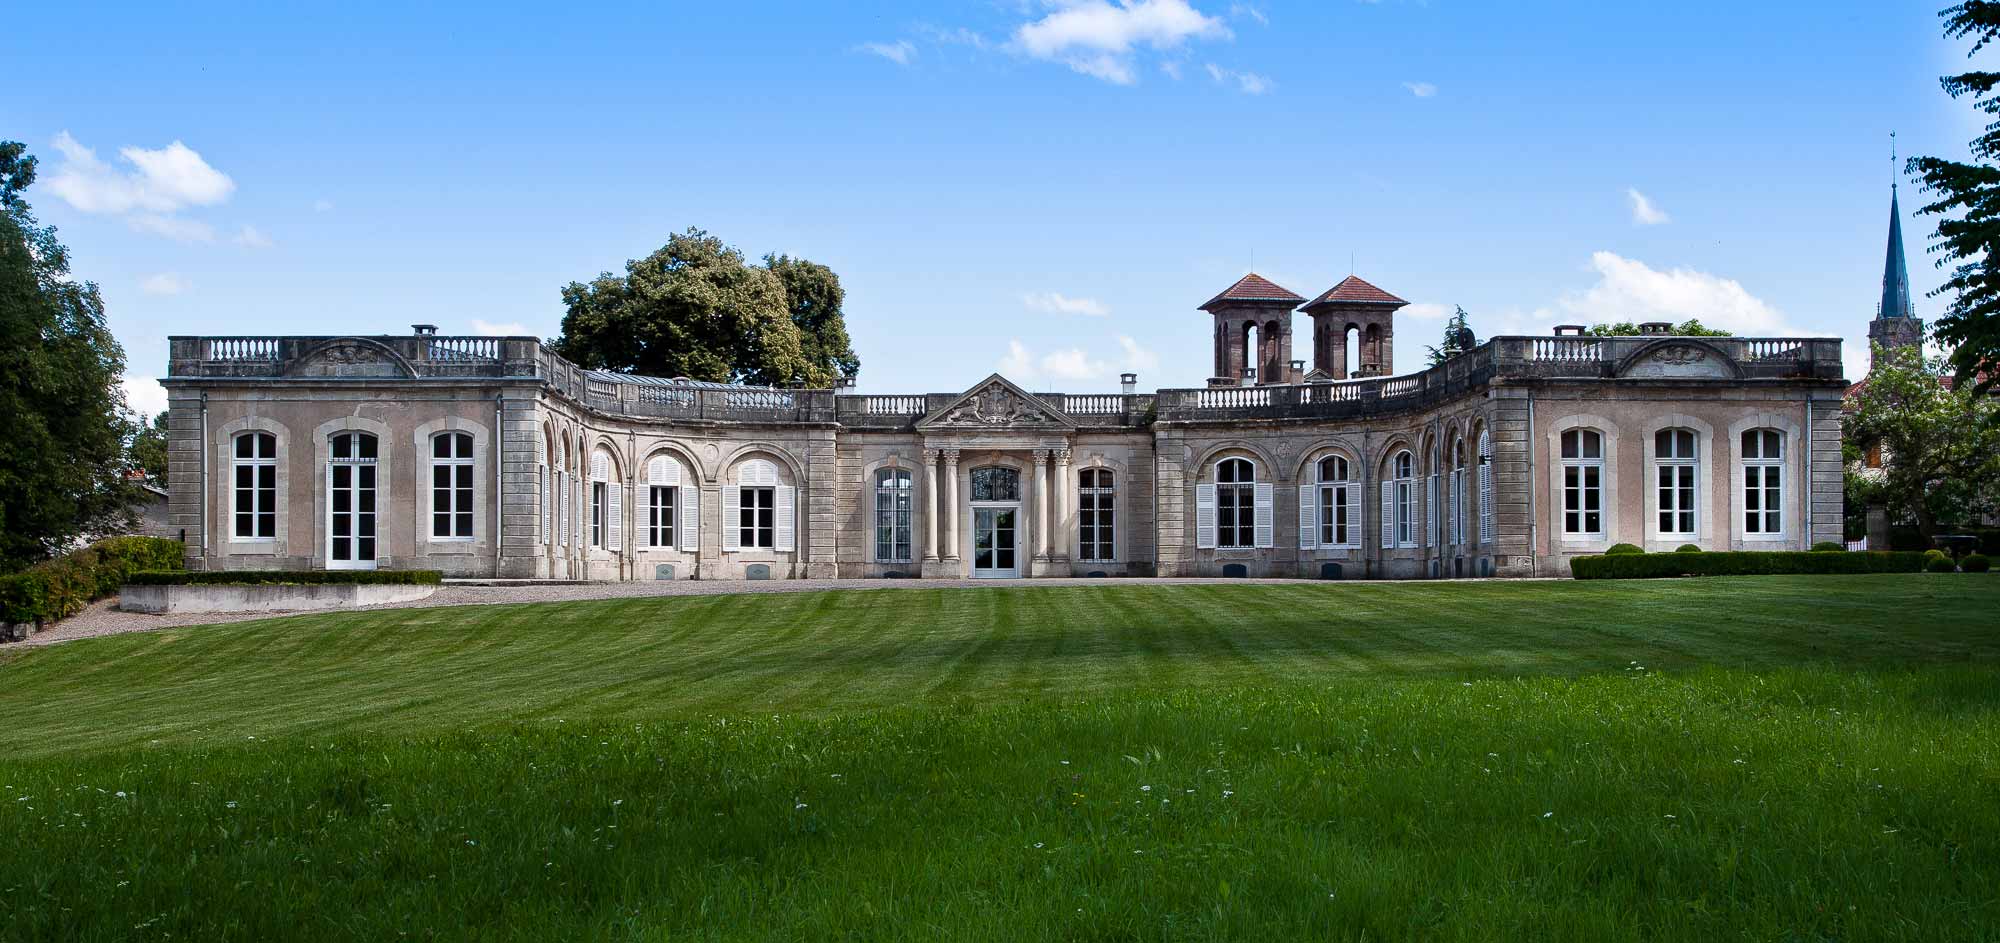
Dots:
(1458, 338)
(1940, 441)
(1966, 200)
(62, 423)
(696, 309)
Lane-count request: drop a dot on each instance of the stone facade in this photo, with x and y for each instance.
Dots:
(496, 458)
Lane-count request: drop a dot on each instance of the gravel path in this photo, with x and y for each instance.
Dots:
(103, 618)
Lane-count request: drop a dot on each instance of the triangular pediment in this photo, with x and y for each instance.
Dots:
(995, 403)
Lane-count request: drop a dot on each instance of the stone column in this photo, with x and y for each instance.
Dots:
(930, 505)
(1041, 505)
(951, 506)
(1059, 534)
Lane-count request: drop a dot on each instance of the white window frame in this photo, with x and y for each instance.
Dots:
(895, 514)
(753, 479)
(1238, 496)
(458, 499)
(1334, 499)
(263, 499)
(1404, 484)
(662, 507)
(1456, 489)
(1580, 486)
(1486, 528)
(1686, 472)
(1094, 518)
(1757, 473)
(356, 464)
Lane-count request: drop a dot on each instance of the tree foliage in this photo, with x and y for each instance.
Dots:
(147, 451)
(1691, 327)
(1458, 338)
(62, 425)
(1940, 441)
(1966, 200)
(696, 309)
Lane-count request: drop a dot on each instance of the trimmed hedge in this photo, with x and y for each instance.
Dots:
(1740, 563)
(1828, 546)
(1941, 565)
(1619, 550)
(60, 588)
(1975, 563)
(1687, 548)
(286, 577)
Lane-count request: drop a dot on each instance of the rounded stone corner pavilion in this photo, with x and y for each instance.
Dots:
(493, 457)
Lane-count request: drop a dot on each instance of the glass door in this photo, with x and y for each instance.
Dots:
(994, 545)
(350, 502)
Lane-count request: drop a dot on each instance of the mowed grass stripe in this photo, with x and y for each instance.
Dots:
(662, 657)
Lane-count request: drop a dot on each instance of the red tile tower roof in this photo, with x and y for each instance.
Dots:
(1255, 289)
(1354, 291)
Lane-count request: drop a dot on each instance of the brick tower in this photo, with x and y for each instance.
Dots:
(1369, 312)
(1253, 307)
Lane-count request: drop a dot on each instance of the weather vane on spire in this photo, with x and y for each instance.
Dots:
(1892, 160)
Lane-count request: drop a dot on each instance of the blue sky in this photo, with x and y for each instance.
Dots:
(1045, 188)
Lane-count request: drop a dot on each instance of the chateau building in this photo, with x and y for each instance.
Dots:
(494, 457)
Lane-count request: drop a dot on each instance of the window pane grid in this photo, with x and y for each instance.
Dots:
(662, 500)
(1095, 527)
(894, 510)
(755, 518)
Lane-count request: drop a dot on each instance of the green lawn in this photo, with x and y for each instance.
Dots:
(1798, 758)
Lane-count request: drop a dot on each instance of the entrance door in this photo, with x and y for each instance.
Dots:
(995, 553)
(350, 502)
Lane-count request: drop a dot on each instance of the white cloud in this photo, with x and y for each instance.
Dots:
(1073, 364)
(507, 329)
(1172, 67)
(1138, 359)
(1018, 365)
(145, 395)
(160, 181)
(1097, 37)
(172, 227)
(1058, 303)
(1421, 89)
(250, 237)
(322, 206)
(1630, 290)
(1425, 311)
(1249, 83)
(899, 52)
(1644, 213)
(1243, 11)
(165, 283)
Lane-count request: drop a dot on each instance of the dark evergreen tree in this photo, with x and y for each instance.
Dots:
(1458, 338)
(1966, 199)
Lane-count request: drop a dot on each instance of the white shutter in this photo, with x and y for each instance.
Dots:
(783, 531)
(1486, 501)
(1264, 534)
(616, 532)
(1204, 517)
(600, 466)
(689, 522)
(562, 508)
(542, 478)
(656, 471)
(1353, 500)
(1308, 517)
(1388, 515)
(1430, 507)
(732, 513)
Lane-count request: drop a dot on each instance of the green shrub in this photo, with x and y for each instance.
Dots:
(1975, 563)
(1828, 546)
(1935, 554)
(1942, 564)
(1619, 550)
(1741, 563)
(1687, 548)
(62, 587)
(287, 577)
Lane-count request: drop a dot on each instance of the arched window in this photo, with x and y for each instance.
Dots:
(1329, 507)
(254, 491)
(1486, 531)
(546, 535)
(350, 506)
(1763, 483)
(1235, 503)
(1674, 465)
(671, 509)
(1095, 515)
(895, 505)
(758, 511)
(560, 482)
(451, 486)
(607, 512)
(1583, 483)
(1399, 502)
(1457, 491)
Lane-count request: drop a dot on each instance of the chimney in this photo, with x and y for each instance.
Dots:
(1656, 327)
(1128, 383)
(1569, 330)
(424, 330)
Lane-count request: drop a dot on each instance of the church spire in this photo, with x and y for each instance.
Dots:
(1895, 271)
